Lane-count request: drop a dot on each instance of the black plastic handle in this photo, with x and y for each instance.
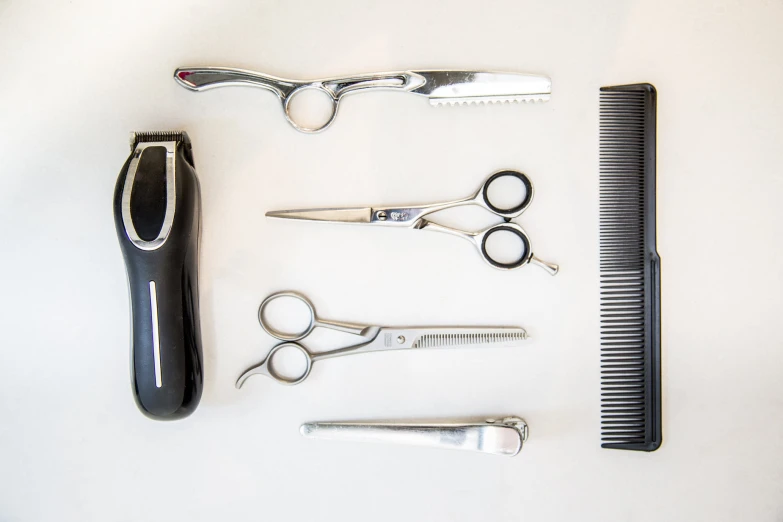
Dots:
(514, 229)
(166, 357)
(516, 210)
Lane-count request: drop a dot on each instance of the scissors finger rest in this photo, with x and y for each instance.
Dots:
(267, 366)
(482, 239)
(526, 255)
(512, 228)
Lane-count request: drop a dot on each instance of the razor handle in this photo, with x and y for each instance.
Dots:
(157, 217)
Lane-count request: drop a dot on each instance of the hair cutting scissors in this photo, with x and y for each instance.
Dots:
(412, 216)
(441, 87)
(373, 339)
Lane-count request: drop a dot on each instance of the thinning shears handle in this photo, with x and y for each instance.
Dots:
(203, 78)
(267, 366)
(313, 322)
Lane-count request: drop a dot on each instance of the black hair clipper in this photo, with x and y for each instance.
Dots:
(157, 213)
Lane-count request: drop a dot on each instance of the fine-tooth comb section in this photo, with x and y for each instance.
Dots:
(437, 340)
(630, 270)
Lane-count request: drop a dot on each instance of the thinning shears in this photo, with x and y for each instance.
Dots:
(373, 339)
(412, 216)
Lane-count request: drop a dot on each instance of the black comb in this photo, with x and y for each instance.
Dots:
(630, 271)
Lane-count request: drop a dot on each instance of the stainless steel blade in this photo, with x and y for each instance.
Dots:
(330, 215)
(445, 337)
(457, 87)
(505, 336)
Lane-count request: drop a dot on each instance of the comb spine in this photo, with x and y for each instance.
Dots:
(653, 271)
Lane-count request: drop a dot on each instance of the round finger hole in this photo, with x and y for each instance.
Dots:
(310, 108)
(505, 247)
(286, 315)
(506, 192)
(289, 363)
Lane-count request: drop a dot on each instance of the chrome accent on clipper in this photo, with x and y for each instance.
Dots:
(171, 194)
(155, 333)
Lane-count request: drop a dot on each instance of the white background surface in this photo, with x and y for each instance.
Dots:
(78, 76)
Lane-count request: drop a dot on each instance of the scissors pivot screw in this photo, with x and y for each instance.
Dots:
(381, 215)
(401, 339)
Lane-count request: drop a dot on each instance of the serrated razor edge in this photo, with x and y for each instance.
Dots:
(468, 100)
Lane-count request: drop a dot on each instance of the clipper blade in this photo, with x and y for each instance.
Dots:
(180, 138)
(155, 136)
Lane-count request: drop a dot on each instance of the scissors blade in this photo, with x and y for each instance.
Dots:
(328, 215)
(458, 87)
(447, 337)
(450, 337)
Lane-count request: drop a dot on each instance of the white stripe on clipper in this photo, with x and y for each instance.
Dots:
(155, 335)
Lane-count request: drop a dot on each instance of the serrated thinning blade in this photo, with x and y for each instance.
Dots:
(467, 339)
(459, 87)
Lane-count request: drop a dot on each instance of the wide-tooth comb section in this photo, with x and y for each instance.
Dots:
(629, 265)
(439, 340)
(526, 98)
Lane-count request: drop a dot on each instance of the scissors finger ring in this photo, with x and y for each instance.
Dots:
(283, 336)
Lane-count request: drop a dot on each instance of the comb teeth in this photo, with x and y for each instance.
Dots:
(484, 100)
(438, 340)
(629, 265)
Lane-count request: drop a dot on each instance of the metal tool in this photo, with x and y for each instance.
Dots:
(412, 216)
(374, 339)
(441, 87)
(157, 215)
(497, 437)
